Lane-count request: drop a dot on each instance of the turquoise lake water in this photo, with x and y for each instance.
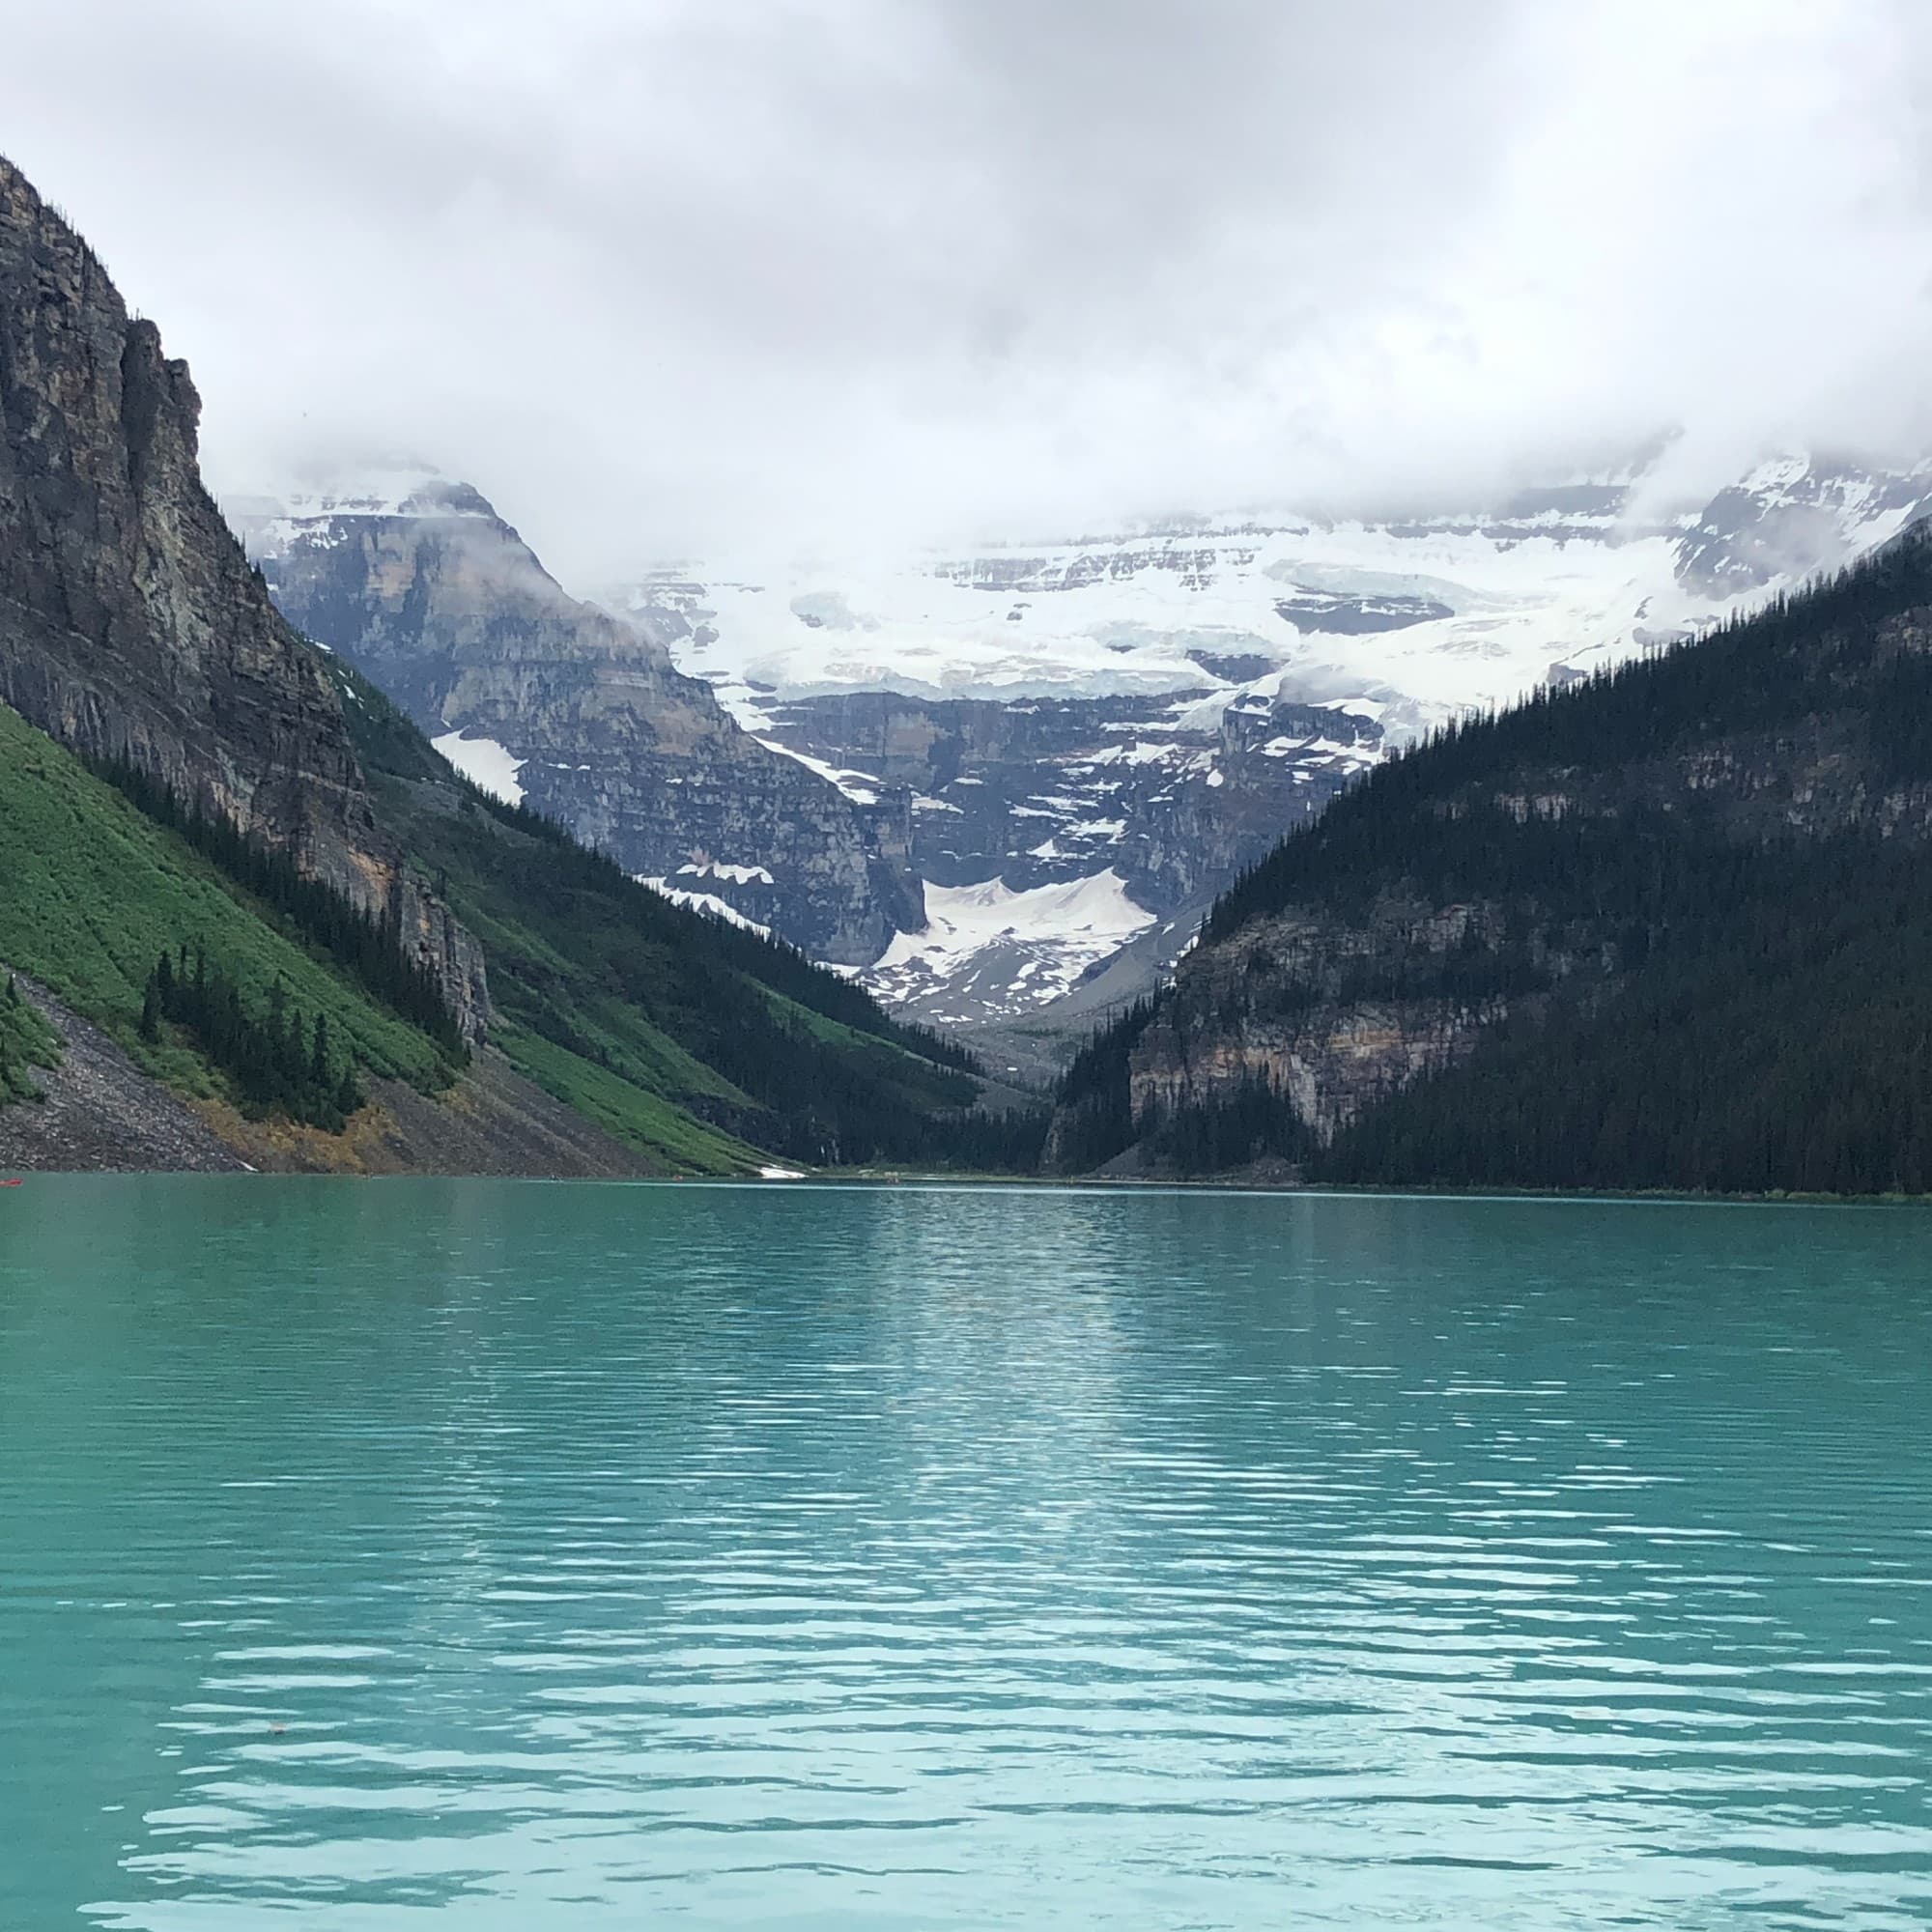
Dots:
(511, 1556)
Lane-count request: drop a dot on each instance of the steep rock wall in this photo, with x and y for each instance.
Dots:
(131, 624)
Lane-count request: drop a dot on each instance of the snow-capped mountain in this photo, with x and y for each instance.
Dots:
(1003, 786)
(1791, 517)
(1098, 735)
(547, 702)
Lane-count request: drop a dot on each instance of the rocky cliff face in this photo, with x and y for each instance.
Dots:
(1311, 1005)
(130, 623)
(1050, 833)
(585, 717)
(1051, 791)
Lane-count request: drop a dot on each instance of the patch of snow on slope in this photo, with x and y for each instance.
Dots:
(485, 763)
(1038, 943)
(737, 876)
(705, 903)
(854, 784)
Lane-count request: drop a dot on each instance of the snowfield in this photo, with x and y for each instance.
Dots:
(485, 763)
(1133, 617)
(1413, 621)
(1038, 943)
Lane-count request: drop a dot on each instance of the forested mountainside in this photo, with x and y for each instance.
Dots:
(257, 882)
(560, 706)
(1670, 928)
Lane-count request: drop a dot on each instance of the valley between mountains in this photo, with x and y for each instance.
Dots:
(976, 781)
(1570, 841)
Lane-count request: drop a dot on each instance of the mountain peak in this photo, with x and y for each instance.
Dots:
(414, 493)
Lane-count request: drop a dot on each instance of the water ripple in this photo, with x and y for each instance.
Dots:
(584, 1557)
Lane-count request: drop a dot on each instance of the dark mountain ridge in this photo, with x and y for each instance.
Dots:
(1671, 926)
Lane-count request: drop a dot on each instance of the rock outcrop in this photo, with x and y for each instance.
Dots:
(1310, 1003)
(430, 595)
(130, 622)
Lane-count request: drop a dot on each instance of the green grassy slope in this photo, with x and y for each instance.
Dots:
(91, 893)
(661, 1027)
(639, 1012)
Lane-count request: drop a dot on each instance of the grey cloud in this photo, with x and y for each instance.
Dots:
(692, 274)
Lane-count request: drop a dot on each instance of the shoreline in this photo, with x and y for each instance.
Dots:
(860, 1179)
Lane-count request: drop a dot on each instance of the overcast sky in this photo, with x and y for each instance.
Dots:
(665, 276)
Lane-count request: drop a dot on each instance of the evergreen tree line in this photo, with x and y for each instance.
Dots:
(1097, 1116)
(370, 947)
(1780, 1042)
(856, 1121)
(1252, 1120)
(832, 1109)
(277, 1061)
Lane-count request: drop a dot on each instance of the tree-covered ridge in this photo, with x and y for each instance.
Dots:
(1675, 928)
(617, 1001)
(1784, 1045)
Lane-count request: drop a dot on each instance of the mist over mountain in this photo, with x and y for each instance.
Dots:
(964, 272)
